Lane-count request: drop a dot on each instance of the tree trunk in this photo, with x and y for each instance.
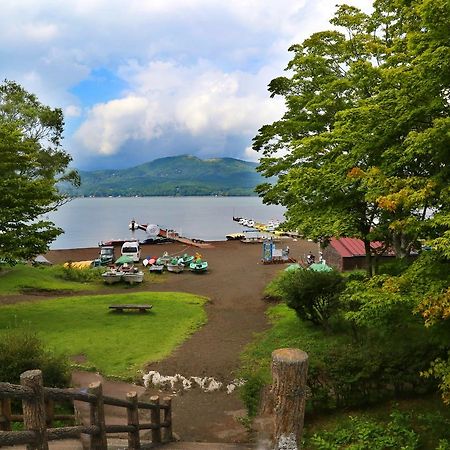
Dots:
(369, 258)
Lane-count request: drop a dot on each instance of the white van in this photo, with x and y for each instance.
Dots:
(132, 249)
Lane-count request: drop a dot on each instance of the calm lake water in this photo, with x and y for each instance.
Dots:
(87, 221)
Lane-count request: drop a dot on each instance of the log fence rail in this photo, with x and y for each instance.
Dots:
(38, 415)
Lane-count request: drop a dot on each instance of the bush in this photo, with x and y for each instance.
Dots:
(402, 430)
(23, 350)
(80, 275)
(312, 295)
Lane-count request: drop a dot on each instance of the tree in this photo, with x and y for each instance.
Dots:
(32, 163)
(365, 134)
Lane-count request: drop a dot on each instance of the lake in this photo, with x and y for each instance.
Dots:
(88, 221)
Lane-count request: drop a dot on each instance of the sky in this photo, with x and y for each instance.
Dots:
(144, 79)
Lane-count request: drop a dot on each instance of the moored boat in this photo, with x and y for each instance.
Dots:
(198, 266)
(112, 275)
(133, 276)
(175, 265)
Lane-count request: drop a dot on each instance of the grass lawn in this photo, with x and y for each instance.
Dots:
(24, 277)
(116, 344)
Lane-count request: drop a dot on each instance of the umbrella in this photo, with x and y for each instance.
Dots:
(320, 267)
(124, 259)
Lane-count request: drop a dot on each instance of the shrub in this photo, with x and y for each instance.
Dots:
(405, 430)
(80, 275)
(312, 295)
(22, 350)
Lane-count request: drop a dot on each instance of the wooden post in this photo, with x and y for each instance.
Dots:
(167, 431)
(5, 412)
(288, 393)
(34, 409)
(98, 441)
(156, 420)
(134, 441)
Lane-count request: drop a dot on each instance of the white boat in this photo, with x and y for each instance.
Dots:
(134, 276)
(175, 265)
(156, 268)
(112, 276)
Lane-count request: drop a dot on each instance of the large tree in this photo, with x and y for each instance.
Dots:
(32, 162)
(365, 134)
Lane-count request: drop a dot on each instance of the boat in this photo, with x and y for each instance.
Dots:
(187, 259)
(235, 236)
(156, 268)
(198, 266)
(112, 275)
(175, 265)
(134, 275)
(164, 259)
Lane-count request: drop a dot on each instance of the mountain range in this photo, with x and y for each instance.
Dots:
(178, 175)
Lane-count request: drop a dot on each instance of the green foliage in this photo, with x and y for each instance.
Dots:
(81, 275)
(403, 430)
(312, 295)
(178, 175)
(114, 344)
(366, 128)
(32, 162)
(21, 350)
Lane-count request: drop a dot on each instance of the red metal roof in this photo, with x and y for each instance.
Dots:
(348, 247)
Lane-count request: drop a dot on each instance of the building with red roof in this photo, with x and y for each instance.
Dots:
(349, 253)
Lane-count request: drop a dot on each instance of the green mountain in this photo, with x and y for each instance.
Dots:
(178, 175)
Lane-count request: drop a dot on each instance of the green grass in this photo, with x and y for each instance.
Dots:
(23, 277)
(116, 344)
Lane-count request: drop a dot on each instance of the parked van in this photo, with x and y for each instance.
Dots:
(132, 249)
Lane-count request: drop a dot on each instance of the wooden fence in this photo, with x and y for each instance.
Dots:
(38, 415)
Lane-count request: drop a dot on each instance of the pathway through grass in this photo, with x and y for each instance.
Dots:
(116, 344)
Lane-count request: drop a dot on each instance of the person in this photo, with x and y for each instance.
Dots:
(310, 259)
(287, 250)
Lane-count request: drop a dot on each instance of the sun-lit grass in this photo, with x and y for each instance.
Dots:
(24, 277)
(116, 344)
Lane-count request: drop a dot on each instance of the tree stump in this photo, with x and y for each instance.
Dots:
(287, 397)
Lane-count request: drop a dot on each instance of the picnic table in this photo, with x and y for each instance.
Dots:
(140, 308)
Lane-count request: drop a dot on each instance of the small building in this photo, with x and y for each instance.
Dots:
(349, 254)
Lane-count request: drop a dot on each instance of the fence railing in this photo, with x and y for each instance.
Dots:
(38, 415)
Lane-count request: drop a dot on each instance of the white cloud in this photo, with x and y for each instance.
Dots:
(197, 100)
(198, 67)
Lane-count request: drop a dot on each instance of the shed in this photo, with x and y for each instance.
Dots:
(349, 253)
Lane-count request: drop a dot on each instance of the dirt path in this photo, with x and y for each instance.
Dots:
(234, 285)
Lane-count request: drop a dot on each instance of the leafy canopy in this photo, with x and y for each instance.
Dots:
(32, 162)
(362, 149)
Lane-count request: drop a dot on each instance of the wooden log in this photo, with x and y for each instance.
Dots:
(5, 413)
(156, 420)
(8, 390)
(167, 419)
(34, 409)
(17, 437)
(55, 434)
(97, 410)
(288, 393)
(134, 441)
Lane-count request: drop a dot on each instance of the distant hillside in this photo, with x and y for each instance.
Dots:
(178, 175)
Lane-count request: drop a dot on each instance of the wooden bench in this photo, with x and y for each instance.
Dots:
(140, 308)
